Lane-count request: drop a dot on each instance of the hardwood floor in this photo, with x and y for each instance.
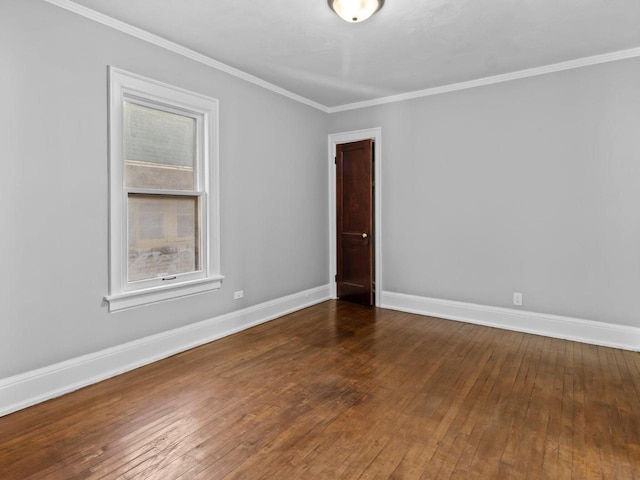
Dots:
(343, 391)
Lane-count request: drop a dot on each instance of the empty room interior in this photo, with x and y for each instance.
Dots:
(293, 239)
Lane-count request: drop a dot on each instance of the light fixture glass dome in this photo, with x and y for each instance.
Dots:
(355, 11)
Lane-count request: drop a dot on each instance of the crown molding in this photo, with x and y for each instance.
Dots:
(180, 50)
(198, 57)
(506, 77)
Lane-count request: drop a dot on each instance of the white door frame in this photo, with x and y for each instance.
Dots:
(345, 137)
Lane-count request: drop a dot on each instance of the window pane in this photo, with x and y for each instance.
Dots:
(163, 236)
(159, 149)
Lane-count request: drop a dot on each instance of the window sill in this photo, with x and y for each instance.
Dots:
(127, 300)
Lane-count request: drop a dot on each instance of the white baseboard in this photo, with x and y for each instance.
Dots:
(26, 389)
(576, 329)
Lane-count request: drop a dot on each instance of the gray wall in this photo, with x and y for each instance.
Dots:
(53, 188)
(528, 186)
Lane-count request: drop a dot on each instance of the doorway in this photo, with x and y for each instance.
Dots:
(355, 246)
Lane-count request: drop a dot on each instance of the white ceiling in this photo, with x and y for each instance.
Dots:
(409, 45)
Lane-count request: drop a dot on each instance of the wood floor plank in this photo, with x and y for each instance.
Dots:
(344, 391)
(490, 426)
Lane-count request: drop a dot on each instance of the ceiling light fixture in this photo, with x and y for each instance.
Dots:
(354, 11)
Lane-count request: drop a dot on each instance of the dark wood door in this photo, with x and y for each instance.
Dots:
(354, 206)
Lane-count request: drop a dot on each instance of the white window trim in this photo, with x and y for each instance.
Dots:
(123, 294)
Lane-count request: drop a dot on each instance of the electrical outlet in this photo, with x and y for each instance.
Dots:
(517, 299)
(239, 294)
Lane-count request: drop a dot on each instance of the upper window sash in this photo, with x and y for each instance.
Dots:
(200, 157)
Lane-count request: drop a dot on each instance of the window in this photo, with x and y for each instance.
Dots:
(164, 227)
